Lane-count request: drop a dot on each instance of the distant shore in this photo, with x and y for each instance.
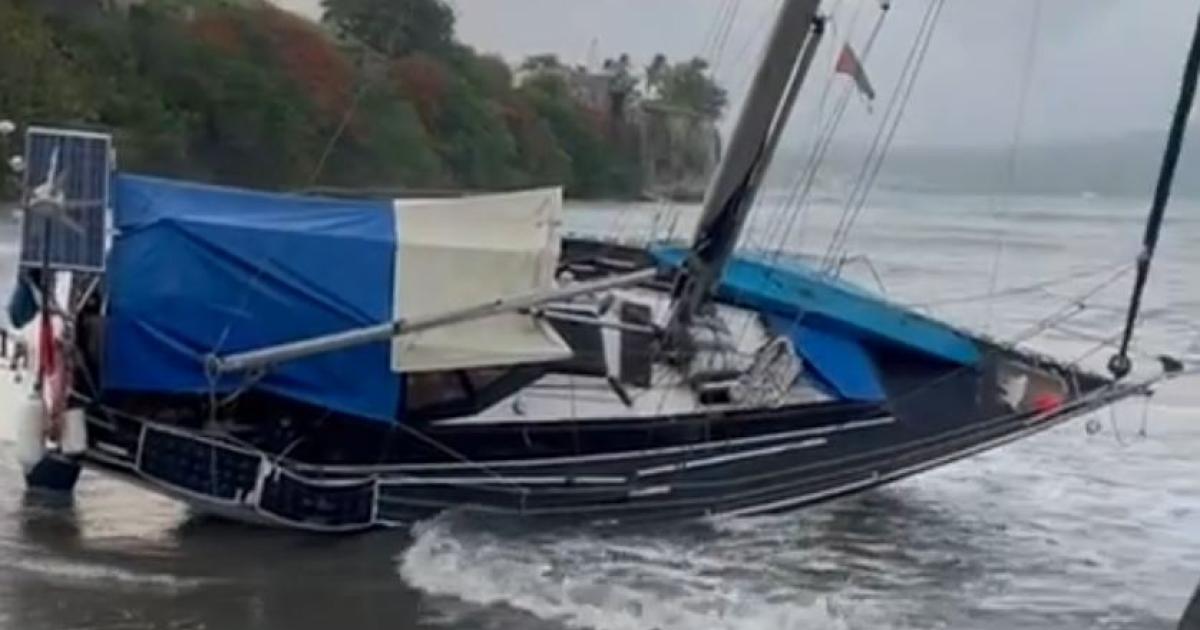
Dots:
(245, 94)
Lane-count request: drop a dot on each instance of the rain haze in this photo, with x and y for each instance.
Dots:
(953, 296)
(1099, 68)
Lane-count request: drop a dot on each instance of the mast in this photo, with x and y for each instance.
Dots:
(1120, 364)
(1191, 615)
(788, 56)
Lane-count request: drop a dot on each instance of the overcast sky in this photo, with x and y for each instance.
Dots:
(1102, 67)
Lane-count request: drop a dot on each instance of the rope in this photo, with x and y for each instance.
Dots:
(1141, 434)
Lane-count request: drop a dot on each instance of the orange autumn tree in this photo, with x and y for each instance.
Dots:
(425, 81)
(382, 95)
(220, 30)
(310, 58)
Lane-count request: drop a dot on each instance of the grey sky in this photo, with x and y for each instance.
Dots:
(1103, 67)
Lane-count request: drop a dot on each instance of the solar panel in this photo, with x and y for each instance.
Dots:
(79, 164)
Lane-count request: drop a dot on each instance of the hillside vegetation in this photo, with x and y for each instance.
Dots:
(380, 95)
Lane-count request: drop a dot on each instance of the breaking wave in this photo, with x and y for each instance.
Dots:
(608, 581)
(61, 571)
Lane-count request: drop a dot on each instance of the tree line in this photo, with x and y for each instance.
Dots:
(380, 95)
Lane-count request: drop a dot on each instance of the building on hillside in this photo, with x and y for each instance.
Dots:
(677, 148)
(593, 90)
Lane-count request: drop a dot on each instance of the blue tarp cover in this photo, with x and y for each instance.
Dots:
(789, 289)
(839, 361)
(196, 269)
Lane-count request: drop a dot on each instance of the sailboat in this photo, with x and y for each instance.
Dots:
(337, 365)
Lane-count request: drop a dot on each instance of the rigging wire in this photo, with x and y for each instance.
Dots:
(368, 57)
(370, 61)
(862, 192)
(1068, 311)
(834, 27)
(713, 35)
(713, 46)
(877, 154)
(763, 24)
(1119, 364)
(1025, 289)
(794, 203)
(1010, 175)
(336, 137)
(719, 53)
(803, 184)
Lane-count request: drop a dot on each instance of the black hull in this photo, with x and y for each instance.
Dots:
(299, 471)
(55, 473)
(743, 463)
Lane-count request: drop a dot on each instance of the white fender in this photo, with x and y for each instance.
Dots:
(29, 437)
(74, 432)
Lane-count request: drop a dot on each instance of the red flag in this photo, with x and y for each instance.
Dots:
(848, 64)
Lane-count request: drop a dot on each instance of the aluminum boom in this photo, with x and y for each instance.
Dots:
(258, 359)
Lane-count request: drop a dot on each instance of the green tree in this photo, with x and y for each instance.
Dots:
(385, 145)
(687, 84)
(248, 122)
(474, 140)
(247, 95)
(487, 73)
(623, 87)
(394, 28)
(149, 134)
(655, 72)
(37, 80)
(597, 168)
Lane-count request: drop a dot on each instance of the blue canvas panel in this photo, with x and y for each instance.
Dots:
(789, 289)
(839, 361)
(198, 269)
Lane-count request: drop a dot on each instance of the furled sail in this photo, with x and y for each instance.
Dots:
(453, 253)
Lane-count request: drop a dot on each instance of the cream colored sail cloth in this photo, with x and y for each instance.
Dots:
(454, 253)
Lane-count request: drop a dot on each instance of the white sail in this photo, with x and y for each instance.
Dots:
(453, 253)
